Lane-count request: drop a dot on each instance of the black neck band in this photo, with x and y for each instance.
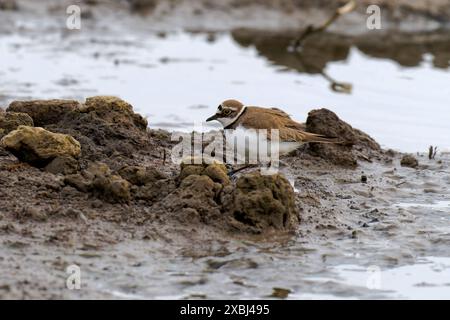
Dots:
(229, 126)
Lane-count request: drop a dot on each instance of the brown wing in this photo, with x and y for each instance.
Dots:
(289, 130)
(296, 135)
(273, 118)
(278, 112)
(264, 118)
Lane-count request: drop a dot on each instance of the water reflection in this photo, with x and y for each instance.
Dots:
(319, 50)
(316, 53)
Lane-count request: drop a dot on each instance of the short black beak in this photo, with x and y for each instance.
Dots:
(214, 117)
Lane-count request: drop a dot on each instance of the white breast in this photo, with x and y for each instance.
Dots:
(247, 140)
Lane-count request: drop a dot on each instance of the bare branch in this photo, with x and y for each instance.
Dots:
(348, 7)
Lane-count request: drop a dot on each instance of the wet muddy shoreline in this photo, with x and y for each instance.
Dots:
(346, 200)
(140, 226)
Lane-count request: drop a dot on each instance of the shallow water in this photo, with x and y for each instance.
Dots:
(429, 278)
(438, 205)
(252, 271)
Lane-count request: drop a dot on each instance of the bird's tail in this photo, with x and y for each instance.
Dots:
(318, 138)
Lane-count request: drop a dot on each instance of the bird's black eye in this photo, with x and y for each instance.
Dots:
(226, 111)
(220, 108)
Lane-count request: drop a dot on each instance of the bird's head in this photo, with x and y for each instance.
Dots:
(227, 112)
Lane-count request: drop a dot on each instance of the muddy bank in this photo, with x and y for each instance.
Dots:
(121, 190)
(103, 151)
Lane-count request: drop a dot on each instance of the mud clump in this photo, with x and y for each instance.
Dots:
(197, 197)
(149, 184)
(108, 131)
(10, 121)
(409, 161)
(63, 165)
(155, 191)
(354, 143)
(111, 188)
(115, 111)
(32, 213)
(44, 112)
(99, 180)
(194, 201)
(261, 202)
(141, 176)
(104, 125)
(254, 204)
(217, 172)
(38, 146)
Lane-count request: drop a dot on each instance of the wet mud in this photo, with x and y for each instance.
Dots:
(122, 189)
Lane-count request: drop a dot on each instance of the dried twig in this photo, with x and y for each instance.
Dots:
(348, 7)
(432, 151)
(360, 155)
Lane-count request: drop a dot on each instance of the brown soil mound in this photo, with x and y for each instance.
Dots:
(354, 143)
(124, 164)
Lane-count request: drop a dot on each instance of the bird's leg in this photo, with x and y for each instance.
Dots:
(283, 164)
(269, 167)
(246, 166)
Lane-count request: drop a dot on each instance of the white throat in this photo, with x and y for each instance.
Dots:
(227, 121)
